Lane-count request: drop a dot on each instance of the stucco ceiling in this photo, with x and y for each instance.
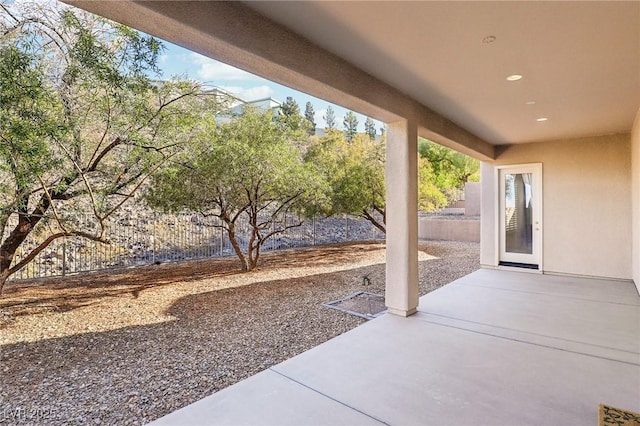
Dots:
(580, 61)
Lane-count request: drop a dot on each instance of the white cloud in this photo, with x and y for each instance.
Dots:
(210, 69)
(250, 93)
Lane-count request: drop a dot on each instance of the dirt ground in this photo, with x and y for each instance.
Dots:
(132, 345)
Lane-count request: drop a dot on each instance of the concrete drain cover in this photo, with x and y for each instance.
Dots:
(362, 304)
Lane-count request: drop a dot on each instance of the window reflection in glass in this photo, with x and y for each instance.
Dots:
(518, 213)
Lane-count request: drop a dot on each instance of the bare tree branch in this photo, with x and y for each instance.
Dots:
(133, 191)
(53, 207)
(26, 260)
(373, 221)
(117, 141)
(87, 185)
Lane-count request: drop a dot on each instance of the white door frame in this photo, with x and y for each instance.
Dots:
(536, 169)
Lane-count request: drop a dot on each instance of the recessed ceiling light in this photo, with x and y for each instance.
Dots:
(514, 77)
(489, 39)
(530, 102)
(542, 119)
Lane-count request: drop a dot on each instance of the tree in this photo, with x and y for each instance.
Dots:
(350, 126)
(290, 116)
(247, 168)
(430, 197)
(451, 168)
(289, 108)
(370, 128)
(309, 114)
(82, 125)
(329, 119)
(355, 175)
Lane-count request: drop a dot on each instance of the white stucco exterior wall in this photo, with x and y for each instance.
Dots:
(401, 290)
(472, 198)
(635, 182)
(587, 204)
(488, 221)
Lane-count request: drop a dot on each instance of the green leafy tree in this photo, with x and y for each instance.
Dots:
(430, 197)
(355, 173)
(81, 124)
(370, 128)
(309, 114)
(329, 119)
(452, 169)
(350, 124)
(247, 168)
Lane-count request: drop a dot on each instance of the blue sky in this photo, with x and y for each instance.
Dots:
(176, 61)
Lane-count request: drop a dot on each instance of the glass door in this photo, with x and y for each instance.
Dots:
(521, 216)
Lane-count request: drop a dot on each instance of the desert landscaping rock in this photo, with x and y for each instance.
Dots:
(130, 346)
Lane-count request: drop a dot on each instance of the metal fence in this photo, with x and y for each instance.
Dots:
(137, 241)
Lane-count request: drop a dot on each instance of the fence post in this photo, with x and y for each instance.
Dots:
(221, 241)
(273, 239)
(314, 229)
(346, 226)
(153, 240)
(64, 257)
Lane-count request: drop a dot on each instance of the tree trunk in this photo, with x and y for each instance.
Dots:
(4, 275)
(253, 251)
(10, 245)
(254, 258)
(26, 223)
(236, 247)
(373, 221)
(251, 264)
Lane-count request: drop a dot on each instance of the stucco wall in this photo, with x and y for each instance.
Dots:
(449, 229)
(586, 204)
(635, 170)
(472, 199)
(488, 221)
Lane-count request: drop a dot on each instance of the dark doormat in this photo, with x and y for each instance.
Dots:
(610, 416)
(362, 304)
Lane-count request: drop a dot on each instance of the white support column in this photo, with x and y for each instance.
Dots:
(402, 218)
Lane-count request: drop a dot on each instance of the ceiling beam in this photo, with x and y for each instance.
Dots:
(233, 33)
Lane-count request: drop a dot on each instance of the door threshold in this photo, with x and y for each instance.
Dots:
(520, 267)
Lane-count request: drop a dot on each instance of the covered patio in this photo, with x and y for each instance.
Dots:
(494, 347)
(546, 85)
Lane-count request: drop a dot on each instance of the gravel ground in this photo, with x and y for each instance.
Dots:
(132, 346)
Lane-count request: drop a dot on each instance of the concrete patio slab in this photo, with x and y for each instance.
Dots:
(493, 348)
(434, 374)
(599, 290)
(267, 398)
(544, 305)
